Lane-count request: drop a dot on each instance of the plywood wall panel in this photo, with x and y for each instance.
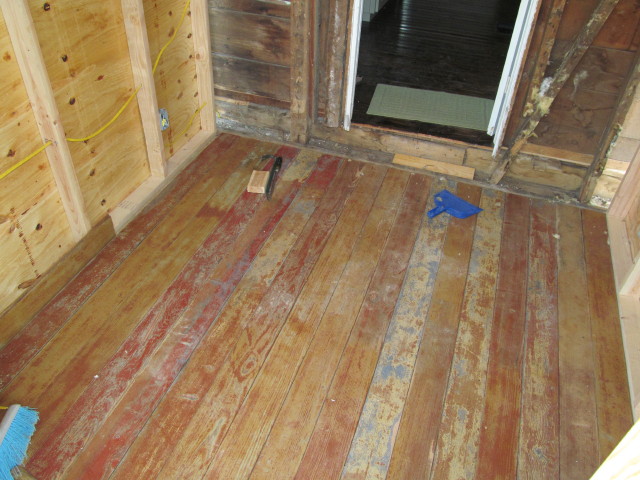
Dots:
(175, 77)
(85, 50)
(34, 231)
(252, 37)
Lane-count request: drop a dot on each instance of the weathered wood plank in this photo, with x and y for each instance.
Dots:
(48, 286)
(370, 451)
(110, 444)
(434, 166)
(500, 422)
(44, 326)
(311, 342)
(239, 236)
(256, 78)
(172, 429)
(328, 443)
(391, 142)
(417, 436)
(251, 37)
(262, 337)
(459, 435)
(335, 58)
(73, 359)
(538, 446)
(577, 435)
(301, 76)
(612, 389)
(276, 8)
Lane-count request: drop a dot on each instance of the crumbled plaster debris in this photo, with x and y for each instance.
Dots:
(544, 86)
(601, 202)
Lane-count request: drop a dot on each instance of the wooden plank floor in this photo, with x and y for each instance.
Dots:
(331, 332)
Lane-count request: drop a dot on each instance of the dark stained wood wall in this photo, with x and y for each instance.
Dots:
(251, 47)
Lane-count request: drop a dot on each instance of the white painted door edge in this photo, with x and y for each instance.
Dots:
(352, 66)
(520, 39)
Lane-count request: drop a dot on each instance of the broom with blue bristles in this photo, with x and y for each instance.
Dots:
(16, 429)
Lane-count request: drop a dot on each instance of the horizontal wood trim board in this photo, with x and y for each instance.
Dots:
(392, 142)
(255, 78)
(252, 37)
(434, 166)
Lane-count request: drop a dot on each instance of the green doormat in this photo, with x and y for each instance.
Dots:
(431, 107)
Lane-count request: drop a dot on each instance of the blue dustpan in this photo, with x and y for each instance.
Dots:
(448, 202)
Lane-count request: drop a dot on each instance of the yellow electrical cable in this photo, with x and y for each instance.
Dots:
(106, 125)
(119, 112)
(175, 32)
(184, 130)
(24, 160)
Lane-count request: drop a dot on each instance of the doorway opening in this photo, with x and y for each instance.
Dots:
(430, 47)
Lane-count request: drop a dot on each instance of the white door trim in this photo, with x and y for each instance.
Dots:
(518, 47)
(352, 65)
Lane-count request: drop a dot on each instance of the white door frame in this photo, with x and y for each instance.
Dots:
(503, 105)
(520, 39)
(352, 61)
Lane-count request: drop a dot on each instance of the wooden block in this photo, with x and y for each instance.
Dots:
(434, 166)
(258, 182)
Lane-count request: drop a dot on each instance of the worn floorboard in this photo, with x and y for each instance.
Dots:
(331, 332)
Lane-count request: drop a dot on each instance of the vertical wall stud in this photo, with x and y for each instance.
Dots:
(36, 79)
(141, 65)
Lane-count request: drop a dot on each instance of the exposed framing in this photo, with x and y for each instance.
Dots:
(36, 80)
(41, 96)
(613, 129)
(550, 91)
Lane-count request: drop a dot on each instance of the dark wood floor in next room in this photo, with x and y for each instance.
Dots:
(455, 47)
(331, 332)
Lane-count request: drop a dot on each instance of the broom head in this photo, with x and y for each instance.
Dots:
(16, 429)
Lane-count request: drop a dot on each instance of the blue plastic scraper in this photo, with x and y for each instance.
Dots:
(448, 202)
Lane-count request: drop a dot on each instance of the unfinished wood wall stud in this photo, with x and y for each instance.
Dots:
(301, 91)
(142, 67)
(34, 72)
(183, 85)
